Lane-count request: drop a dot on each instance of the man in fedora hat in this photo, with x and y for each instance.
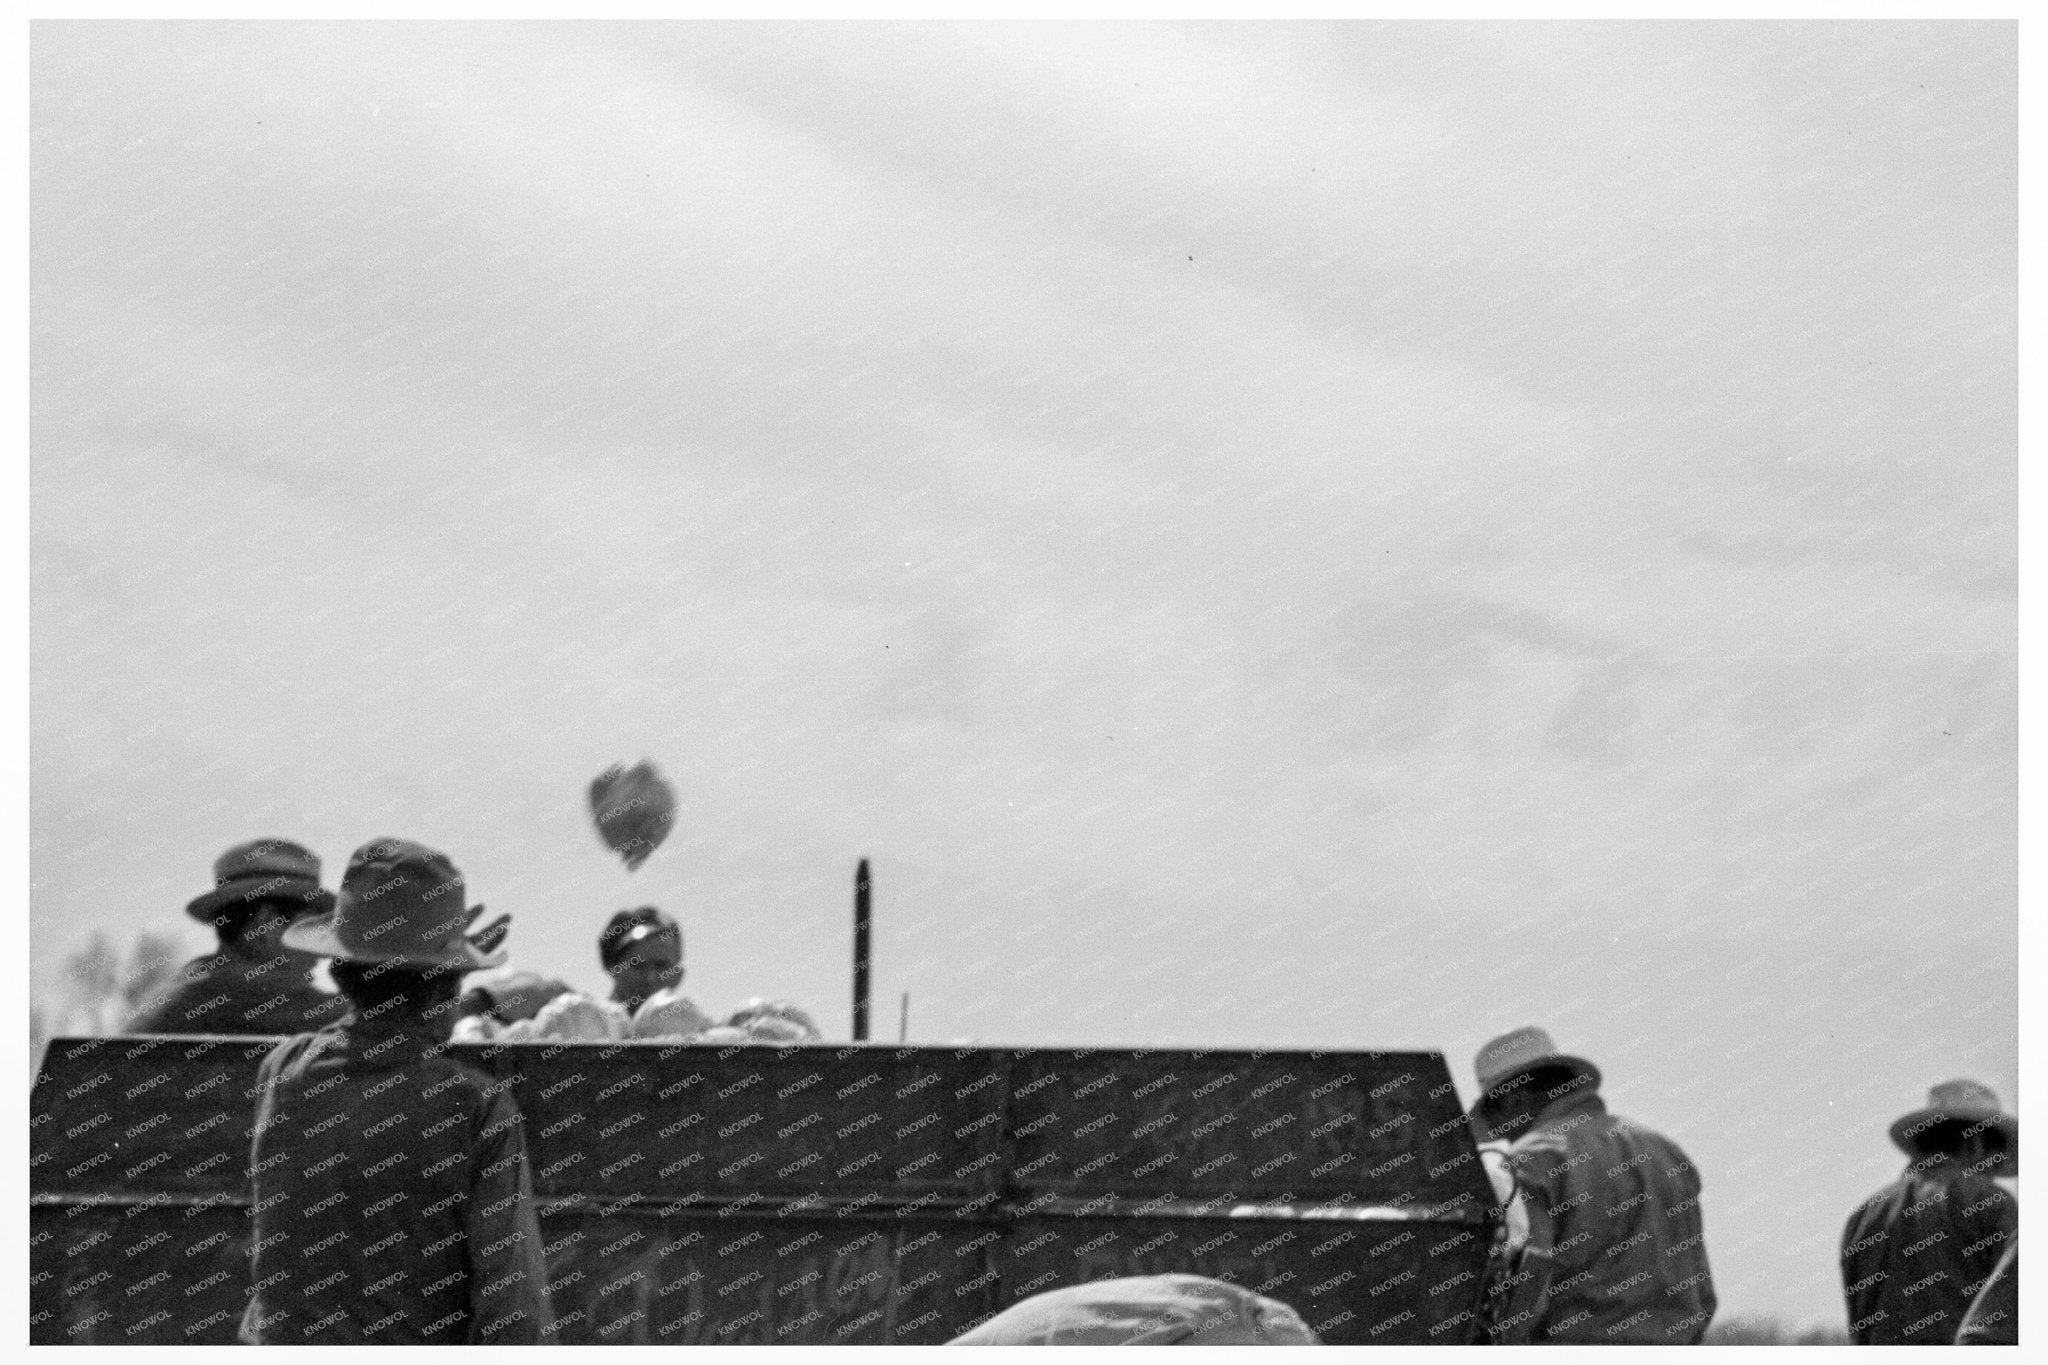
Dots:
(1615, 1252)
(394, 1203)
(1916, 1252)
(251, 983)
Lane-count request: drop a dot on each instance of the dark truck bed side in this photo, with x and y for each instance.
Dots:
(817, 1194)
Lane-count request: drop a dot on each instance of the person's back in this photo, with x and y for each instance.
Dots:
(1916, 1252)
(1627, 1248)
(1613, 1250)
(230, 992)
(393, 1196)
(374, 1162)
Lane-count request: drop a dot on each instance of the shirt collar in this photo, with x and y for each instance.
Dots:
(1586, 1101)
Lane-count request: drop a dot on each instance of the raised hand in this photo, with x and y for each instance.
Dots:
(486, 939)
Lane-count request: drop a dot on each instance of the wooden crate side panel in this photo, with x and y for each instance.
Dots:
(659, 1121)
(139, 1275)
(711, 1281)
(148, 1115)
(1283, 1128)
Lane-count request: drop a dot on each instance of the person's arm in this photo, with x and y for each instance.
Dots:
(508, 1280)
(250, 1330)
(1990, 1227)
(1859, 1288)
(1994, 1316)
(1523, 1294)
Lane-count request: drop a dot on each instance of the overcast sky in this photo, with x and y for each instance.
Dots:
(1345, 536)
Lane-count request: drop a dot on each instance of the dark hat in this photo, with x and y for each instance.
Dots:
(1514, 1054)
(262, 870)
(400, 902)
(625, 930)
(1960, 1101)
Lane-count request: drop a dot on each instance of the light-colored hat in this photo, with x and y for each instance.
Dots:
(1511, 1054)
(400, 902)
(1960, 1101)
(1144, 1310)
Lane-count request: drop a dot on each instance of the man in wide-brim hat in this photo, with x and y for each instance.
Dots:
(1615, 1250)
(251, 983)
(1915, 1253)
(394, 1203)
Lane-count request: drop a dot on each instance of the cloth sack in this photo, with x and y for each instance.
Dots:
(1144, 1310)
(668, 1013)
(579, 1018)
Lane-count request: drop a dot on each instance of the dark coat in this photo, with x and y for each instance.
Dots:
(225, 992)
(1994, 1316)
(1917, 1252)
(1616, 1251)
(394, 1203)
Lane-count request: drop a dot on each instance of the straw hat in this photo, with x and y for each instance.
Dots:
(1513, 1054)
(1960, 1101)
(400, 902)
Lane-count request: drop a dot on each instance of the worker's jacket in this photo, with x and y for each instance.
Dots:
(1615, 1251)
(394, 1203)
(225, 992)
(1916, 1252)
(1994, 1316)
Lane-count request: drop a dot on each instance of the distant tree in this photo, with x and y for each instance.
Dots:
(152, 962)
(38, 1035)
(92, 982)
(1750, 1329)
(1761, 1329)
(101, 989)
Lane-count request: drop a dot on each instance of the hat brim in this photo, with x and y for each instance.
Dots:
(315, 899)
(1906, 1127)
(1578, 1066)
(318, 937)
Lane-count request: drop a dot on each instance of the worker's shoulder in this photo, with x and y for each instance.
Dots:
(1880, 1205)
(1545, 1151)
(164, 1009)
(1640, 1136)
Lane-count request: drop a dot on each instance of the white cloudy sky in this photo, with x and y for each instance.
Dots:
(1356, 536)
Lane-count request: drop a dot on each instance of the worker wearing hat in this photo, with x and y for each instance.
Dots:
(1615, 1251)
(393, 1199)
(251, 983)
(1915, 1253)
(642, 952)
